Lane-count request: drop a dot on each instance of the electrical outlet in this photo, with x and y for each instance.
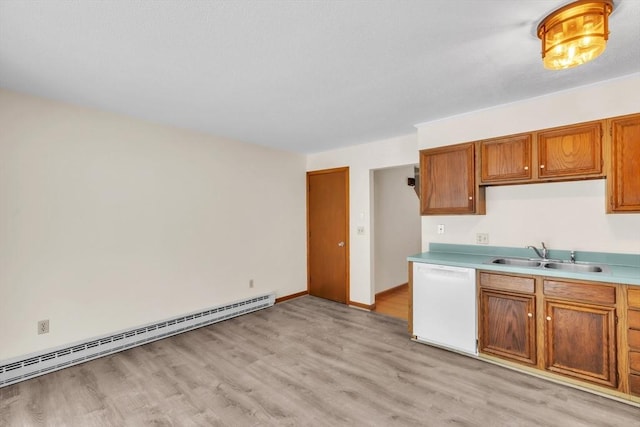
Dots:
(440, 228)
(43, 327)
(361, 230)
(482, 238)
(251, 283)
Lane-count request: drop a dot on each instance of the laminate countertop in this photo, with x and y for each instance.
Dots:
(623, 268)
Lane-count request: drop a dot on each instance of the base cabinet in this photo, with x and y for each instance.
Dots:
(580, 341)
(633, 338)
(561, 326)
(508, 327)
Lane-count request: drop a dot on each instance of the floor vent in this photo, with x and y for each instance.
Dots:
(53, 360)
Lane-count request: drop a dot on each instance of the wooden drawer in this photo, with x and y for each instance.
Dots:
(634, 384)
(634, 319)
(505, 282)
(634, 339)
(634, 361)
(585, 292)
(634, 297)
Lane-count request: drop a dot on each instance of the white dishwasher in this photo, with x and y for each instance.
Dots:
(444, 306)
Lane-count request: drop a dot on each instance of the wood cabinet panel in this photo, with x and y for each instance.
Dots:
(447, 181)
(580, 341)
(599, 294)
(507, 325)
(570, 150)
(623, 184)
(507, 283)
(634, 339)
(634, 294)
(634, 361)
(507, 158)
(634, 384)
(634, 319)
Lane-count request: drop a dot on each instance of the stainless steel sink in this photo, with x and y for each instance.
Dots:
(577, 267)
(519, 262)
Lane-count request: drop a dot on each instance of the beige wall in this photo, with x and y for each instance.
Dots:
(108, 222)
(567, 215)
(396, 231)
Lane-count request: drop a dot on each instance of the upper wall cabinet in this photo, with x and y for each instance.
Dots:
(570, 151)
(448, 181)
(623, 182)
(506, 158)
(565, 153)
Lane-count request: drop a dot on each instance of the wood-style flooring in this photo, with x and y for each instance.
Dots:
(394, 302)
(304, 362)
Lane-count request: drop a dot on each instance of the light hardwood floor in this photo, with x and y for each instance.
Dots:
(394, 302)
(304, 362)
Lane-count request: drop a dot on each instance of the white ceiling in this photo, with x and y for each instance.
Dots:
(304, 75)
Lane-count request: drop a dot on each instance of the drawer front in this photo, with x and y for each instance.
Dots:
(634, 384)
(634, 319)
(597, 294)
(634, 339)
(634, 361)
(508, 283)
(634, 297)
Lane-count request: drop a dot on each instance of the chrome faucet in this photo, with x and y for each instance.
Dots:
(542, 255)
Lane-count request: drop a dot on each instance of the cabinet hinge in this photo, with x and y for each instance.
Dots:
(616, 319)
(610, 130)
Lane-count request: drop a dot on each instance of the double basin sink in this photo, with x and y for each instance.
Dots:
(574, 267)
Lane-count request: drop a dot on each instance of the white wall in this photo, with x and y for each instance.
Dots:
(565, 215)
(108, 222)
(397, 225)
(362, 159)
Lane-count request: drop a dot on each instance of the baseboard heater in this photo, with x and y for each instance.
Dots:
(41, 363)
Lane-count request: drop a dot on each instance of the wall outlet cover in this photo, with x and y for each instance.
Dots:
(482, 238)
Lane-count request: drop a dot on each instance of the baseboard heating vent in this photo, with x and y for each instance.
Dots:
(52, 360)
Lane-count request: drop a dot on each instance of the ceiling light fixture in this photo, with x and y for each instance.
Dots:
(575, 34)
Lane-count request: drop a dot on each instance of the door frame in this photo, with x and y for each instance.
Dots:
(344, 169)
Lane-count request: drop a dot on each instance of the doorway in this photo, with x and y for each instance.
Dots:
(328, 234)
(396, 235)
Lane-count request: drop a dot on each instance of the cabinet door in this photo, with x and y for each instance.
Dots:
(624, 182)
(506, 159)
(507, 325)
(447, 180)
(570, 151)
(580, 341)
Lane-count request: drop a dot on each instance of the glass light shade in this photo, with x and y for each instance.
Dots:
(575, 34)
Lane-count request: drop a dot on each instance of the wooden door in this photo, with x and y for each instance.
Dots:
(581, 341)
(623, 185)
(570, 151)
(508, 325)
(506, 158)
(328, 234)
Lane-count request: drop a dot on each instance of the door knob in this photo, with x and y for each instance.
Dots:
(341, 244)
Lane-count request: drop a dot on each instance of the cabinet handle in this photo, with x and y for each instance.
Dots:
(541, 166)
(530, 314)
(526, 168)
(470, 198)
(548, 317)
